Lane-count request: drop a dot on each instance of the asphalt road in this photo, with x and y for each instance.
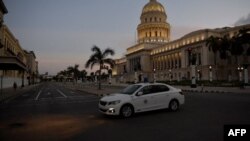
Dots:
(51, 112)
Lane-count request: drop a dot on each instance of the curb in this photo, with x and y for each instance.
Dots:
(205, 91)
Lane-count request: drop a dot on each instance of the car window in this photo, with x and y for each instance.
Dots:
(130, 89)
(147, 89)
(160, 88)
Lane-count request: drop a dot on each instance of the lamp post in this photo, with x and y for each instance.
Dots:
(170, 75)
(240, 69)
(136, 77)
(154, 77)
(198, 75)
(245, 74)
(210, 74)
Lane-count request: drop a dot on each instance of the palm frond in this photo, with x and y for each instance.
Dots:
(109, 61)
(107, 52)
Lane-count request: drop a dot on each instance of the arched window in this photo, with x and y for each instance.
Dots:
(156, 34)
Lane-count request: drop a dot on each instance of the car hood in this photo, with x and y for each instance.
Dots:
(114, 97)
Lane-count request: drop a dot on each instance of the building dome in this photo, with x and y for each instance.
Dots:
(154, 26)
(153, 6)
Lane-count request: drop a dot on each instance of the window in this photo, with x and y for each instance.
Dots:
(130, 89)
(147, 90)
(160, 88)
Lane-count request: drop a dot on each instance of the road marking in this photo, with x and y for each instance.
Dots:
(38, 94)
(61, 93)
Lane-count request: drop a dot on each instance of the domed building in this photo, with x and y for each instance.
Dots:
(157, 58)
(153, 26)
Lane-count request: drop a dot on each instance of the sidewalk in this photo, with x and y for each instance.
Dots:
(9, 93)
(215, 89)
(113, 88)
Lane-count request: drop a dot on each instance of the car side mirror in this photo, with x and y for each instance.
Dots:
(139, 94)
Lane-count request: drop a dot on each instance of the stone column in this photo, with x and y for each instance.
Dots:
(23, 78)
(245, 76)
(193, 85)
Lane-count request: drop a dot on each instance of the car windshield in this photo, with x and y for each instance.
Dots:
(130, 89)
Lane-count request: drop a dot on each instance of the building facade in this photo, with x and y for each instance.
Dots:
(156, 57)
(16, 64)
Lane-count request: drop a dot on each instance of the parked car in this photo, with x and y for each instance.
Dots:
(140, 98)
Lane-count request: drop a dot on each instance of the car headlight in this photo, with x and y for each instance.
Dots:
(114, 102)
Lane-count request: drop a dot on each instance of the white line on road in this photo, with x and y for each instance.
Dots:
(61, 93)
(38, 94)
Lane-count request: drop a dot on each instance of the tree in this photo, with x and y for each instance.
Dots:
(236, 49)
(213, 44)
(74, 69)
(83, 74)
(99, 58)
(243, 39)
(224, 49)
(92, 76)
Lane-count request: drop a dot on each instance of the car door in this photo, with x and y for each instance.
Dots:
(161, 96)
(144, 102)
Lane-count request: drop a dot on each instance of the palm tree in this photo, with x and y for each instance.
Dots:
(236, 48)
(83, 74)
(213, 43)
(243, 39)
(92, 76)
(225, 44)
(74, 69)
(99, 58)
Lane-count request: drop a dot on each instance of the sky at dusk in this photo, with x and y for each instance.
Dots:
(62, 32)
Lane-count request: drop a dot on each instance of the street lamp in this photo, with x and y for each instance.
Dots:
(210, 74)
(170, 75)
(154, 77)
(198, 72)
(240, 69)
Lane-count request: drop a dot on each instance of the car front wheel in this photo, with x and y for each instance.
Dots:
(126, 111)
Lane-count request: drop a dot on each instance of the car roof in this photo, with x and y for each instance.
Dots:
(146, 84)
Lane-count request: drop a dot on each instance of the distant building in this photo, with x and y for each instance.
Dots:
(32, 67)
(157, 58)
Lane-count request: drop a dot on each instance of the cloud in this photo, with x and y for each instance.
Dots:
(243, 20)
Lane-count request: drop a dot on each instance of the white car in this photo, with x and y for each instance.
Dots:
(140, 98)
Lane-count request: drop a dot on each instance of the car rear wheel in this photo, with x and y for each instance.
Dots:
(174, 105)
(126, 111)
